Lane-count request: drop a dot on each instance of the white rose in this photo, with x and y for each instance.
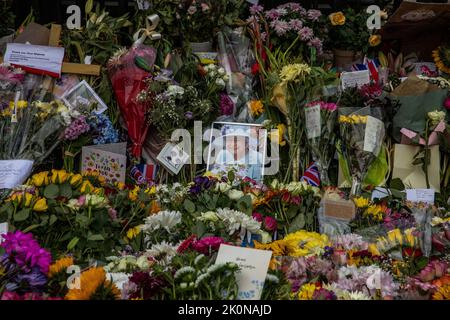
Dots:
(142, 263)
(223, 187)
(266, 237)
(234, 194)
(122, 265)
(436, 116)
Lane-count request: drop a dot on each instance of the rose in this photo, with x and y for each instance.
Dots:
(447, 103)
(337, 18)
(270, 223)
(436, 116)
(374, 40)
(257, 216)
(222, 187)
(235, 194)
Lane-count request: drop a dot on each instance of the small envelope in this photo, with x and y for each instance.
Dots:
(109, 160)
(413, 176)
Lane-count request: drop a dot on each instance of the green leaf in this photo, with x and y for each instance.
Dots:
(397, 184)
(292, 212)
(96, 237)
(22, 215)
(231, 176)
(72, 243)
(141, 63)
(245, 205)
(297, 224)
(51, 191)
(32, 227)
(89, 6)
(53, 219)
(65, 190)
(189, 206)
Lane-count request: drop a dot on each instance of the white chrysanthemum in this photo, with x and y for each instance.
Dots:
(237, 221)
(162, 252)
(183, 271)
(162, 220)
(201, 278)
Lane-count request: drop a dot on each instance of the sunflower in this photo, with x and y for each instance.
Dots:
(60, 265)
(441, 58)
(94, 286)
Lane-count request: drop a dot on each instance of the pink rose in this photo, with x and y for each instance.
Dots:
(205, 7)
(257, 216)
(270, 223)
(447, 103)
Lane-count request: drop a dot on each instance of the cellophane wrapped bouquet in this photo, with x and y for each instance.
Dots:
(362, 133)
(127, 70)
(320, 121)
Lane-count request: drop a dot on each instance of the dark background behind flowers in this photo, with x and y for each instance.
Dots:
(55, 11)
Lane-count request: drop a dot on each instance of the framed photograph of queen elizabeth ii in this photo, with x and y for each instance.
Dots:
(240, 147)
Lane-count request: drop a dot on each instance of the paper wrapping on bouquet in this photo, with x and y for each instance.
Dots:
(408, 136)
(128, 81)
(417, 97)
(413, 176)
(14, 172)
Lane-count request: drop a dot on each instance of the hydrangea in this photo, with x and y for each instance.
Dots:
(103, 129)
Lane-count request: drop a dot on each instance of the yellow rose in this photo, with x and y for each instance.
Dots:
(40, 179)
(28, 198)
(59, 176)
(86, 187)
(337, 18)
(374, 40)
(40, 205)
(76, 179)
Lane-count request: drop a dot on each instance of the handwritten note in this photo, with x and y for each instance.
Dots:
(14, 172)
(3, 230)
(36, 59)
(253, 266)
(313, 125)
(373, 135)
(420, 195)
(355, 79)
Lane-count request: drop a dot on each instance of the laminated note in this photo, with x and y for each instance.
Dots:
(373, 137)
(14, 172)
(313, 126)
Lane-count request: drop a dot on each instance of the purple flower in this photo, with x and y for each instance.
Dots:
(226, 105)
(306, 33)
(76, 128)
(316, 43)
(24, 251)
(323, 294)
(254, 9)
(201, 183)
(296, 24)
(280, 27)
(272, 14)
(189, 115)
(313, 14)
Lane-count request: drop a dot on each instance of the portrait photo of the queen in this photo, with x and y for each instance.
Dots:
(238, 147)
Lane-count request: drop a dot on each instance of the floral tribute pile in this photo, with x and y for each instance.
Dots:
(154, 232)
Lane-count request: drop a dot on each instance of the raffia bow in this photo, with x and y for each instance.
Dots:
(152, 23)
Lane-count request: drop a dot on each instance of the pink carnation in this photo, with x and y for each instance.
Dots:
(208, 245)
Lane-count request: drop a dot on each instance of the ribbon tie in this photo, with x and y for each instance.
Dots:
(149, 31)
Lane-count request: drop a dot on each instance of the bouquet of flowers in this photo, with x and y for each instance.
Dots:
(320, 120)
(291, 26)
(127, 70)
(362, 133)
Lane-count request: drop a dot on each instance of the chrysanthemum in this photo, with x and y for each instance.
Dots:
(94, 286)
